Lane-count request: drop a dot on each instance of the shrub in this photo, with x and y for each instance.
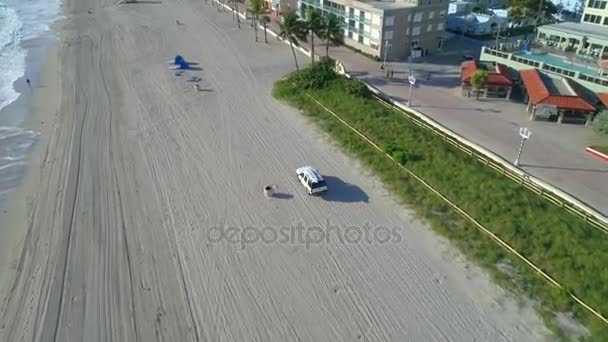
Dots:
(601, 122)
(315, 76)
(357, 88)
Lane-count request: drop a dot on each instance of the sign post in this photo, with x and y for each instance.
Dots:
(524, 133)
(412, 81)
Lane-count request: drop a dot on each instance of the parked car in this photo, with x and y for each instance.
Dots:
(312, 180)
(466, 58)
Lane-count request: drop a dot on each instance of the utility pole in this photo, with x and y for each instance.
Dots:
(498, 35)
(524, 133)
(538, 14)
(385, 53)
(409, 57)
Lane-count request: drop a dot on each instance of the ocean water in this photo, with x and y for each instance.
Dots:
(24, 36)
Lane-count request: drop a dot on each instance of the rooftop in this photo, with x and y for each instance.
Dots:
(562, 61)
(603, 98)
(554, 90)
(386, 5)
(581, 29)
(498, 74)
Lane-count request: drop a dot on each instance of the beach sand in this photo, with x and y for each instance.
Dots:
(135, 168)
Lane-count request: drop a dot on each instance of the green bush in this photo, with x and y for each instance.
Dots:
(315, 76)
(601, 122)
(561, 244)
(355, 88)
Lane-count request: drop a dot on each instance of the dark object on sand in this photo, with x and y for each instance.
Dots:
(268, 190)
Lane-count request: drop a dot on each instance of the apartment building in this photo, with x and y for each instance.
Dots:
(392, 29)
(596, 12)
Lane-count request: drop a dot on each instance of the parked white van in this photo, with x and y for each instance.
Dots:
(312, 180)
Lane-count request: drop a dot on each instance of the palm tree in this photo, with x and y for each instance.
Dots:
(479, 80)
(257, 7)
(292, 30)
(265, 21)
(314, 23)
(331, 31)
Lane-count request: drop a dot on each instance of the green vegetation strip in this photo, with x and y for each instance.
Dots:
(555, 241)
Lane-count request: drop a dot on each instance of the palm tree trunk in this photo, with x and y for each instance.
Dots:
(236, 8)
(327, 49)
(265, 37)
(293, 51)
(312, 47)
(255, 26)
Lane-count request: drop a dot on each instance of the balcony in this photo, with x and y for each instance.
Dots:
(333, 11)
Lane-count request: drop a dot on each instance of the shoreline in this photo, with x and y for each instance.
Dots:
(18, 207)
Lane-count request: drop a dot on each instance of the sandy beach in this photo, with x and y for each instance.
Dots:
(137, 175)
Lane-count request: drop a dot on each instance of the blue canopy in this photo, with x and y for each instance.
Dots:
(183, 65)
(179, 60)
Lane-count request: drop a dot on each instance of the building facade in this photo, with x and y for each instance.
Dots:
(393, 30)
(589, 38)
(596, 13)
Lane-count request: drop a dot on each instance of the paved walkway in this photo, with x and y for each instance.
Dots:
(555, 153)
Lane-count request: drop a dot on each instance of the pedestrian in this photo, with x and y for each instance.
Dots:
(27, 80)
(392, 73)
(428, 77)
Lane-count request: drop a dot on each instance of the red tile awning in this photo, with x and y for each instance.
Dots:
(603, 98)
(539, 94)
(499, 77)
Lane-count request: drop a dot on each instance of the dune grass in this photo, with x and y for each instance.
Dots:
(564, 246)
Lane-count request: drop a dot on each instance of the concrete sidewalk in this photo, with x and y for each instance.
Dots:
(555, 152)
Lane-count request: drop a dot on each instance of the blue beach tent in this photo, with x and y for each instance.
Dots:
(179, 60)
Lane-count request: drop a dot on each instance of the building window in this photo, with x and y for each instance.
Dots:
(361, 38)
(416, 31)
(389, 21)
(440, 27)
(599, 4)
(373, 46)
(418, 17)
(429, 28)
(414, 43)
(606, 21)
(442, 13)
(593, 19)
(431, 14)
(388, 35)
(407, 31)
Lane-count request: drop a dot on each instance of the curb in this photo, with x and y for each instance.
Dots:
(596, 153)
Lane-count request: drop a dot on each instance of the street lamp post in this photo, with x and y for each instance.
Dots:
(524, 133)
(386, 46)
(412, 81)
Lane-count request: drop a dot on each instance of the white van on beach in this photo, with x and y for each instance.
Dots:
(312, 180)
